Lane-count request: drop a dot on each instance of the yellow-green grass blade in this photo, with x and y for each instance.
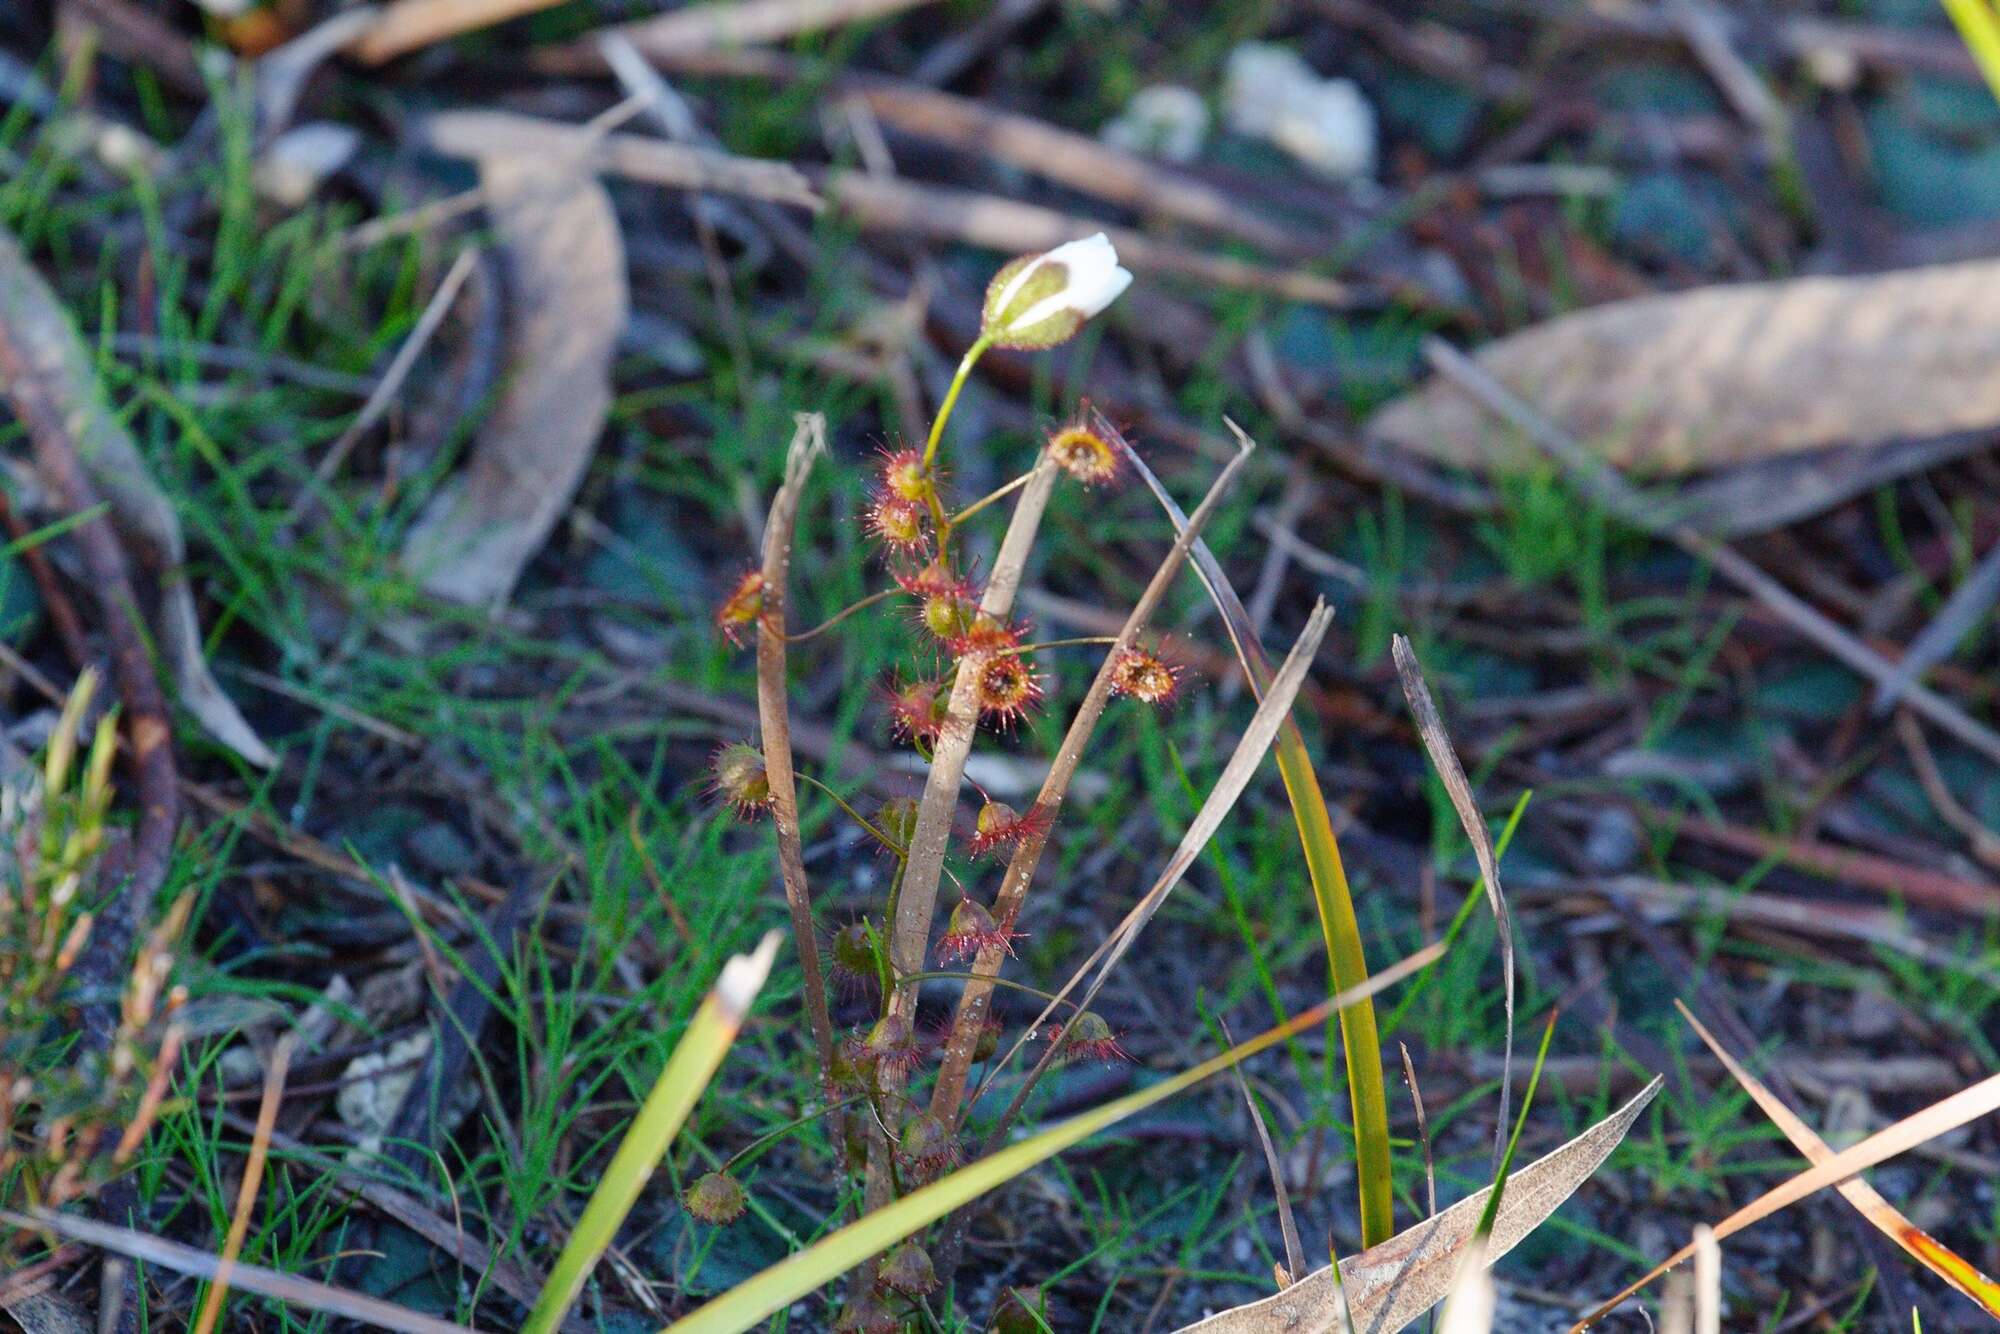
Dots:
(1361, 1041)
(785, 1282)
(696, 1057)
(1979, 25)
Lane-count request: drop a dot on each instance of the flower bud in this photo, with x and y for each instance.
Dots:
(716, 1198)
(1090, 1039)
(998, 826)
(866, 1314)
(971, 932)
(907, 1269)
(1038, 301)
(741, 778)
(926, 1148)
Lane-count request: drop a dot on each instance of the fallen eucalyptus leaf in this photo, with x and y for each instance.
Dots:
(565, 266)
(1388, 1286)
(1720, 376)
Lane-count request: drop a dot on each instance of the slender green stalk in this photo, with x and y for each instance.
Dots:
(965, 365)
(694, 1062)
(1000, 494)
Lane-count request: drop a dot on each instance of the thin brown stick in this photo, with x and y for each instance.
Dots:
(253, 1176)
(384, 394)
(774, 716)
(995, 222)
(1985, 843)
(251, 1278)
(1620, 498)
(62, 613)
(949, 1090)
(409, 25)
(1423, 1132)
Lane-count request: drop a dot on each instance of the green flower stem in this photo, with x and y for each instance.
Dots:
(965, 365)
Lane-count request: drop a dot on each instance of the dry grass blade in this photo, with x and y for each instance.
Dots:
(250, 1278)
(973, 1001)
(1927, 1250)
(1347, 961)
(1295, 1259)
(1272, 713)
(1939, 1118)
(253, 1176)
(1468, 1309)
(1438, 746)
(1964, 609)
(1423, 1132)
(1707, 1281)
(775, 720)
(383, 396)
(1390, 1285)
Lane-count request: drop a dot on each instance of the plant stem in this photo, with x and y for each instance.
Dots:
(981, 977)
(853, 814)
(770, 1136)
(840, 616)
(965, 365)
(1059, 643)
(981, 503)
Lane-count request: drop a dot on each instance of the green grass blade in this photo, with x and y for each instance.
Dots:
(680, 1085)
(1361, 1042)
(785, 1282)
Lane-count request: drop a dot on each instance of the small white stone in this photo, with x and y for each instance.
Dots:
(1270, 93)
(1164, 120)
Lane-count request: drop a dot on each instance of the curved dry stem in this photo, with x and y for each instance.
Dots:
(774, 716)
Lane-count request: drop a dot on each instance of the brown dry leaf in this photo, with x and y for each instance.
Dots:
(1666, 385)
(565, 263)
(1927, 1250)
(1390, 1285)
(146, 523)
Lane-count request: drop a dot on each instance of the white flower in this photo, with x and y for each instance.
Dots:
(1042, 300)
